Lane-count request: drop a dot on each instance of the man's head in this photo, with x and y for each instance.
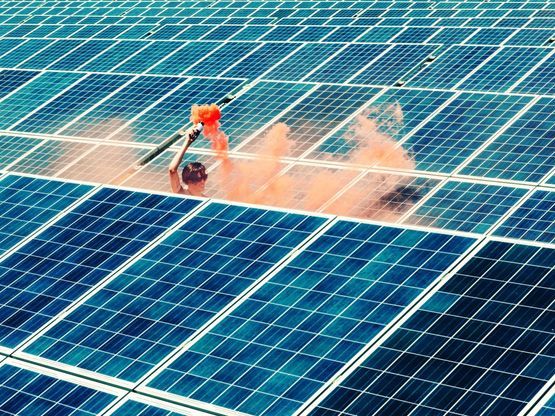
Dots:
(194, 176)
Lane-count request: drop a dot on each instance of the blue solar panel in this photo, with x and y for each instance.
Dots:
(504, 69)
(147, 57)
(26, 392)
(489, 36)
(548, 409)
(172, 112)
(183, 58)
(534, 220)
(122, 106)
(466, 206)
(445, 141)
(291, 336)
(379, 34)
(304, 60)
(451, 35)
(318, 114)
(33, 95)
(28, 203)
(397, 112)
(252, 32)
(480, 345)
(257, 106)
(220, 60)
(113, 56)
(539, 81)
(394, 65)
(281, 33)
(313, 33)
(345, 34)
(530, 37)
(11, 79)
(51, 53)
(261, 60)
(142, 315)
(23, 52)
(52, 270)
(451, 66)
(13, 147)
(347, 63)
(415, 34)
(135, 408)
(81, 54)
(80, 97)
(523, 152)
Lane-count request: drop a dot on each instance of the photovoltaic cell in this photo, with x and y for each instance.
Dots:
(480, 345)
(51, 157)
(524, 152)
(147, 57)
(220, 60)
(347, 63)
(252, 32)
(274, 350)
(313, 33)
(223, 32)
(394, 65)
(415, 34)
(489, 36)
(25, 392)
(22, 52)
(257, 106)
(504, 69)
(345, 34)
(50, 54)
(54, 269)
(281, 33)
(548, 408)
(28, 203)
(131, 407)
(380, 34)
(13, 147)
(540, 80)
(318, 114)
(445, 141)
(534, 220)
(79, 98)
(396, 112)
(121, 107)
(466, 206)
(11, 79)
(146, 312)
(113, 56)
(172, 113)
(530, 37)
(7, 45)
(302, 61)
(451, 66)
(186, 56)
(261, 60)
(34, 94)
(82, 54)
(451, 35)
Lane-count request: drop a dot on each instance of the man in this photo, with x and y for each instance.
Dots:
(193, 174)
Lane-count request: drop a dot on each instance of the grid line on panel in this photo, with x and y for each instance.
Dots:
(533, 220)
(50, 54)
(524, 151)
(186, 56)
(118, 53)
(14, 147)
(109, 335)
(459, 129)
(312, 316)
(479, 344)
(81, 55)
(69, 257)
(11, 80)
(465, 206)
(22, 52)
(147, 57)
(38, 92)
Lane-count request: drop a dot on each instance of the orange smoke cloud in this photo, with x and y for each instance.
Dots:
(210, 116)
(262, 180)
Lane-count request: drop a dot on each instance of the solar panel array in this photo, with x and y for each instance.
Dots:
(428, 123)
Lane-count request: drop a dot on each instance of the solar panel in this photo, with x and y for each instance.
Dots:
(219, 60)
(172, 112)
(26, 392)
(14, 147)
(71, 103)
(185, 57)
(317, 114)
(156, 304)
(300, 63)
(539, 80)
(22, 52)
(50, 54)
(11, 79)
(523, 152)
(397, 111)
(294, 333)
(136, 408)
(534, 220)
(126, 103)
(452, 66)
(29, 203)
(81, 55)
(480, 345)
(458, 129)
(55, 268)
(466, 206)
(34, 94)
(147, 57)
(108, 59)
(504, 69)
(51, 157)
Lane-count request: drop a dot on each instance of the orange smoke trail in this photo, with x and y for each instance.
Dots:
(259, 180)
(210, 116)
